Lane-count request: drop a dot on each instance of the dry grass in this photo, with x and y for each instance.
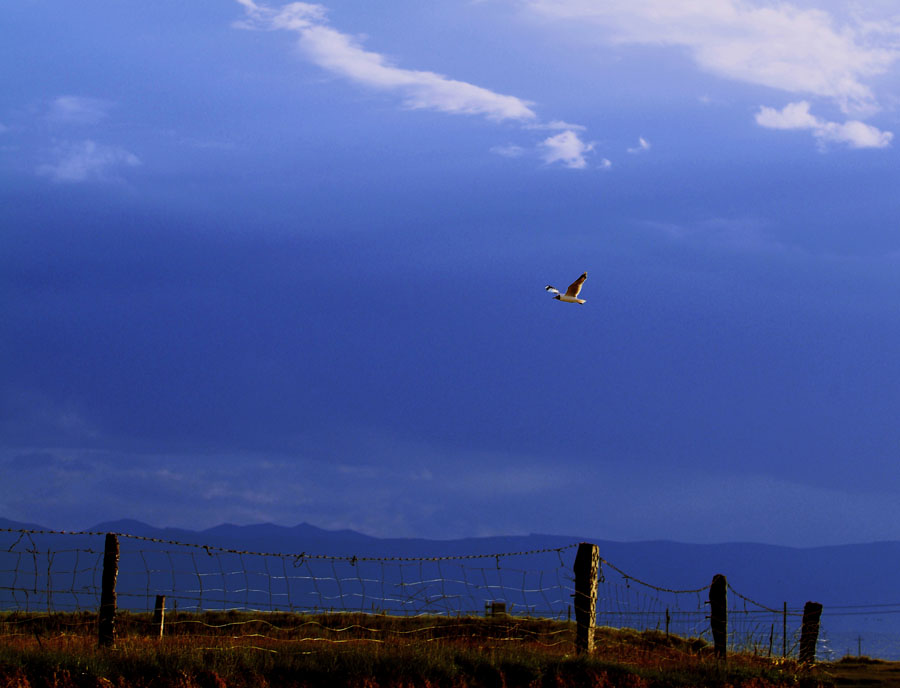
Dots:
(365, 651)
(859, 672)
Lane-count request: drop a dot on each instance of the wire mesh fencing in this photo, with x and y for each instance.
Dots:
(625, 601)
(50, 583)
(54, 571)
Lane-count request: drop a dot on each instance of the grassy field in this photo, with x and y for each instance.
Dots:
(863, 672)
(215, 650)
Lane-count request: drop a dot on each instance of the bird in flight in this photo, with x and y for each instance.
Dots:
(571, 295)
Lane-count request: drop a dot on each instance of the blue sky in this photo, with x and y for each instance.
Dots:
(285, 262)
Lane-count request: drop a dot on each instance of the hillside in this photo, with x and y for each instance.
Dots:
(837, 576)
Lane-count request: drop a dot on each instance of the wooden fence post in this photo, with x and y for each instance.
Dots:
(587, 565)
(771, 639)
(159, 614)
(784, 633)
(718, 614)
(809, 632)
(106, 619)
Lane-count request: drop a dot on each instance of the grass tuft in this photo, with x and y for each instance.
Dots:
(235, 650)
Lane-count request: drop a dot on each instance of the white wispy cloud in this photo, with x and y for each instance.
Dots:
(643, 145)
(342, 54)
(509, 151)
(778, 45)
(555, 125)
(854, 133)
(78, 110)
(86, 161)
(566, 148)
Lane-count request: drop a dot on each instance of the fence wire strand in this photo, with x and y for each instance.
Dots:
(51, 580)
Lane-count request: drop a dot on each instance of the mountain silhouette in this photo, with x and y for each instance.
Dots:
(844, 578)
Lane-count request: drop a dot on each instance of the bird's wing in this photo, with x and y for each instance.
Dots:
(575, 287)
(553, 289)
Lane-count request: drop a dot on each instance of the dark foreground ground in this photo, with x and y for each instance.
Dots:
(369, 651)
(861, 672)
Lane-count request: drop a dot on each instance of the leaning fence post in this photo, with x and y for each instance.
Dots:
(106, 620)
(159, 614)
(718, 614)
(587, 564)
(771, 639)
(809, 632)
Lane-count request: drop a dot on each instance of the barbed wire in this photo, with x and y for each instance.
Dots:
(754, 602)
(629, 577)
(41, 571)
(228, 578)
(301, 555)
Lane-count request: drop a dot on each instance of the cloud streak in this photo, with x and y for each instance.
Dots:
(509, 151)
(797, 116)
(341, 54)
(780, 45)
(643, 145)
(78, 110)
(87, 161)
(777, 45)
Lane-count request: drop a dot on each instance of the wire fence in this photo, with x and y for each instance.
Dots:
(50, 582)
(55, 571)
(625, 601)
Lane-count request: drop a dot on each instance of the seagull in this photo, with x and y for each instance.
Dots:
(571, 295)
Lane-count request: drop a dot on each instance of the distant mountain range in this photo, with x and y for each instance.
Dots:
(839, 576)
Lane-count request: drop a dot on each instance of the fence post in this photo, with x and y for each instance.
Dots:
(771, 639)
(587, 565)
(809, 632)
(159, 614)
(718, 614)
(106, 620)
(784, 633)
